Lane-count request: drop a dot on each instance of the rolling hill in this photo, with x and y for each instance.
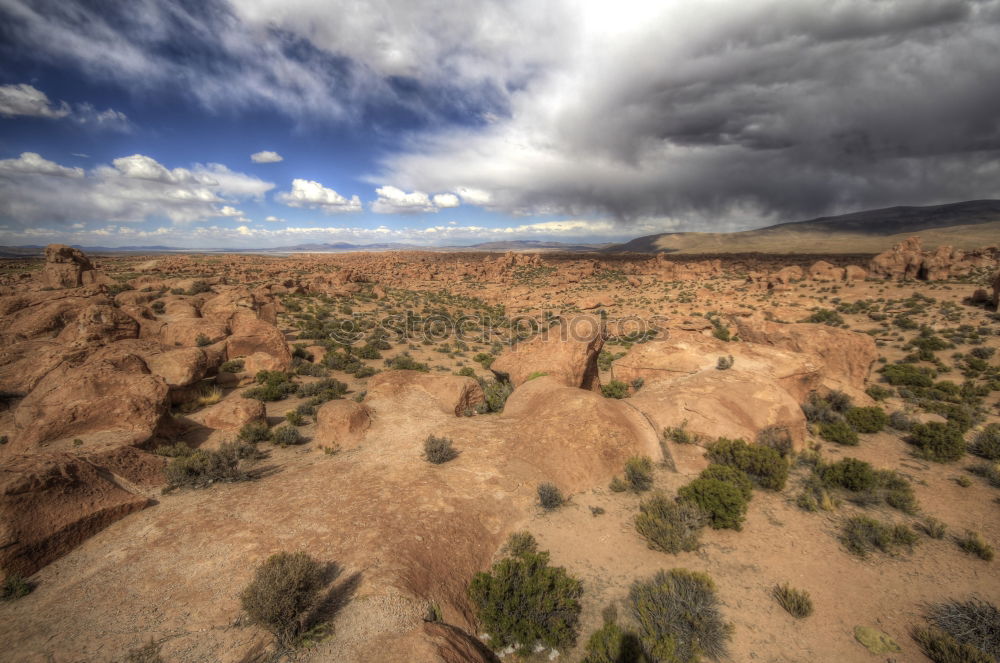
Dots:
(964, 225)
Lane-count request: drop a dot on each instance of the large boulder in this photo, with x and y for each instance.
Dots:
(50, 503)
(846, 356)
(567, 352)
(66, 267)
(24, 364)
(342, 423)
(684, 353)
(192, 332)
(821, 270)
(572, 437)
(114, 398)
(250, 336)
(99, 324)
(902, 261)
(710, 404)
(450, 394)
(180, 367)
(233, 413)
(43, 314)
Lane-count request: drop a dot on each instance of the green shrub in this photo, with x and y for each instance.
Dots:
(613, 644)
(201, 468)
(861, 535)
(284, 588)
(201, 340)
(867, 419)
(524, 602)
(942, 648)
(722, 501)
(731, 475)
(14, 586)
(878, 392)
(933, 527)
(973, 623)
(549, 496)
(973, 543)
(328, 388)
(288, 436)
(295, 418)
(438, 450)
(617, 485)
(765, 466)
(639, 473)
(405, 362)
(776, 437)
(669, 525)
(840, 432)
(986, 442)
(678, 616)
(466, 372)
(937, 441)
(496, 393)
(484, 359)
(908, 375)
(724, 363)
(232, 366)
(825, 316)
(520, 543)
(255, 431)
(850, 473)
(901, 421)
(174, 450)
(615, 389)
(796, 602)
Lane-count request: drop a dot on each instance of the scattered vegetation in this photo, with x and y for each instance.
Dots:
(839, 432)
(724, 502)
(973, 543)
(973, 623)
(639, 473)
(439, 450)
(549, 496)
(678, 616)
(668, 525)
(287, 436)
(938, 441)
(523, 602)
(201, 468)
(764, 465)
(284, 588)
(862, 535)
(986, 442)
(867, 419)
(796, 602)
(615, 389)
(14, 586)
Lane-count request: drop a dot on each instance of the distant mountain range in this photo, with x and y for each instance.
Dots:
(964, 225)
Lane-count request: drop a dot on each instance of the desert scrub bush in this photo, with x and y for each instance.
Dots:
(669, 525)
(938, 442)
(850, 473)
(933, 527)
(328, 388)
(724, 363)
(796, 602)
(878, 392)
(232, 366)
(988, 471)
(678, 616)
(974, 623)
(173, 450)
(639, 473)
(272, 386)
(908, 375)
(861, 535)
(295, 418)
(974, 544)
(14, 586)
(405, 362)
(615, 389)
(679, 434)
(523, 602)
(776, 437)
(731, 475)
(201, 468)
(283, 590)
(942, 648)
(986, 443)
(867, 419)
(839, 432)
(724, 502)
(255, 431)
(549, 496)
(438, 450)
(496, 393)
(765, 466)
(287, 436)
(826, 317)
(147, 653)
(520, 543)
(901, 421)
(613, 644)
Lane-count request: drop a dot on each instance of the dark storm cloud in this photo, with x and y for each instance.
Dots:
(718, 112)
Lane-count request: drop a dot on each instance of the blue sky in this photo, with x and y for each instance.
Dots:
(447, 122)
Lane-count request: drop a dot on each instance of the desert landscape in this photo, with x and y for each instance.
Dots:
(499, 331)
(829, 427)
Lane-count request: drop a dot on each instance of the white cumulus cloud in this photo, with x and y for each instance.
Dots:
(25, 99)
(266, 156)
(30, 163)
(310, 194)
(446, 200)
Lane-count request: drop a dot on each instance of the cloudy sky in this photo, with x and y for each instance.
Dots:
(208, 123)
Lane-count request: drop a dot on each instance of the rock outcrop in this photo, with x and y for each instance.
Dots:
(566, 351)
(66, 267)
(909, 260)
(342, 424)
